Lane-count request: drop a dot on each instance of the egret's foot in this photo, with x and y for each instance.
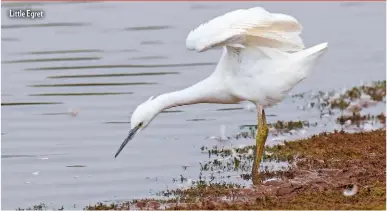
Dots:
(262, 133)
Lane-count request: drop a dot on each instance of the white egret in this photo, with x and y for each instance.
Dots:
(263, 59)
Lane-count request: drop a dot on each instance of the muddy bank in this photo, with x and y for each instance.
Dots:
(327, 171)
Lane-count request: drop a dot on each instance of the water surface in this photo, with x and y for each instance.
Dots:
(98, 61)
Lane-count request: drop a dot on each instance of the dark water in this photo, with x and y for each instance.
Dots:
(103, 59)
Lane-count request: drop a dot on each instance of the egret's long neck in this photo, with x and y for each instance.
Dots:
(205, 91)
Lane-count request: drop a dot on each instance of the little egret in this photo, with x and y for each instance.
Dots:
(263, 59)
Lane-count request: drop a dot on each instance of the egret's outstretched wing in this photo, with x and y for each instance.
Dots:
(248, 27)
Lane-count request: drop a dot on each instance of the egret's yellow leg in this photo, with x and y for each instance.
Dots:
(262, 132)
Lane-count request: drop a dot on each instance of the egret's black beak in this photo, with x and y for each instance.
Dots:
(130, 136)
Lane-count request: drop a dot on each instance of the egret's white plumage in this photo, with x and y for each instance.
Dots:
(263, 59)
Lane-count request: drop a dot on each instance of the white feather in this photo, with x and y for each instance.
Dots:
(248, 28)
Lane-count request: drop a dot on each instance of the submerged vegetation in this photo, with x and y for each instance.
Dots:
(358, 97)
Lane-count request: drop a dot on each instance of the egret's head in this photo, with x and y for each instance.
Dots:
(141, 117)
(144, 114)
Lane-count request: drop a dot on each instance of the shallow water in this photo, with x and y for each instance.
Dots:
(103, 59)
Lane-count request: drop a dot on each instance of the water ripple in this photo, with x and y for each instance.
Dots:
(52, 60)
(114, 75)
(64, 51)
(27, 103)
(124, 66)
(142, 28)
(38, 25)
(82, 94)
(92, 84)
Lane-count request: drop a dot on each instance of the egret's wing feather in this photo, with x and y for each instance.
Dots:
(246, 28)
(286, 23)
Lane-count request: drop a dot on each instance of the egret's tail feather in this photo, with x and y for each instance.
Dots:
(300, 64)
(309, 57)
(315, 51)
